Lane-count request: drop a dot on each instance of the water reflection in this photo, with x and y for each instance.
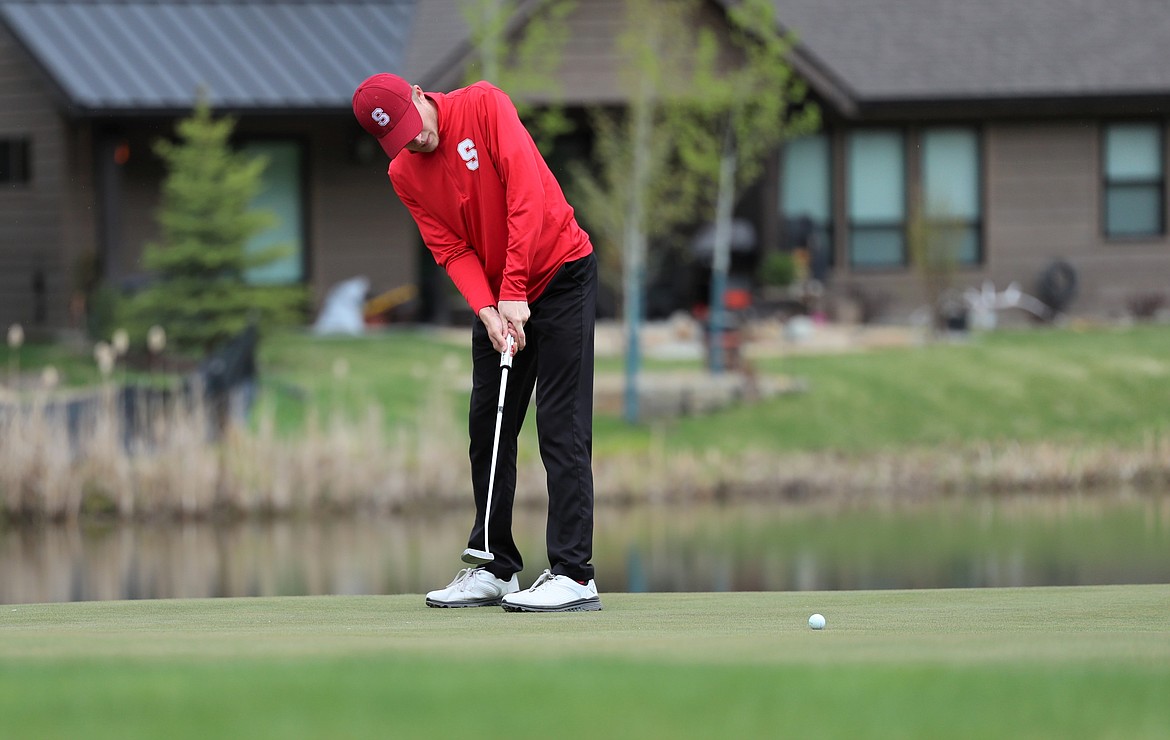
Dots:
(1006, 541)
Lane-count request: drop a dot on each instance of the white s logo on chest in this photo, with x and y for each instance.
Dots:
(470, 156)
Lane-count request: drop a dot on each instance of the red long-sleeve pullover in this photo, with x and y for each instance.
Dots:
(485, 202)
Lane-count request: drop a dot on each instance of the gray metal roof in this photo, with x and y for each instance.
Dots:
(890, 50)
(113, 56)
(129, 56)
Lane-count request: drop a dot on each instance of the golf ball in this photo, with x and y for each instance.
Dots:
(817, 622)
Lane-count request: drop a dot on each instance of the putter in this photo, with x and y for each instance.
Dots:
(470, 555)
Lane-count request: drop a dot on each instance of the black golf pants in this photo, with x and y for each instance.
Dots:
(558, 361)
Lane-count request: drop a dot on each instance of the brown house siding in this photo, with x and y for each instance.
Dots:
(590, 70)
(35, 232)
(357, 224)
(1044, 201)
(1041, 196)
(135, 190)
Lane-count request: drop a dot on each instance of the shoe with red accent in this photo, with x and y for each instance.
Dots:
(554, 593)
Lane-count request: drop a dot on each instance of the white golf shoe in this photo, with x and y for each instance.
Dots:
(473, 587)
(554, 594)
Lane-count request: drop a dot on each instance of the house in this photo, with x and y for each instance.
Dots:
(1035, 132)
(88, 86)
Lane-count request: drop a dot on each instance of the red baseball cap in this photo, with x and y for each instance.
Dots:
(383, 106)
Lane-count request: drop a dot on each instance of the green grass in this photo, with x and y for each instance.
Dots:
(1037, 662)
(1099, 386)
(74, 368)
(397, 370)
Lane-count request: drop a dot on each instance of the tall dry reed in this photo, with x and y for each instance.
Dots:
(172, 460)
(176, 466)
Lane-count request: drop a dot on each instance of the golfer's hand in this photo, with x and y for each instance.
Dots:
(497, 328)
(516, 314)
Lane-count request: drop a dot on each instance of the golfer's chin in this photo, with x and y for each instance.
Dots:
(430, 144)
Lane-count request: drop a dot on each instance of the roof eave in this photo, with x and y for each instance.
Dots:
(1038, 105)
(828, 88)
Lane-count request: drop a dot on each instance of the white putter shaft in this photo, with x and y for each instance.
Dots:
(470, 555)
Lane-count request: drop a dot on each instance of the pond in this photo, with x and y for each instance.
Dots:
(1025, 540)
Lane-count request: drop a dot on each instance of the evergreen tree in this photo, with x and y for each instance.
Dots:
(200, 293)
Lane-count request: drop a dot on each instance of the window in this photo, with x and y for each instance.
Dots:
(951, 191)
(15, 161)
(1135, 180)
(280, 195)
(877, 203)
(806, 190)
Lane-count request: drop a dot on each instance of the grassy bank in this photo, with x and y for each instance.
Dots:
(1044, 662)
(378, 422)
(1077, 386)
(1073, 408)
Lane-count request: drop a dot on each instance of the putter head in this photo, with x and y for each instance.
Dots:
(477, 557)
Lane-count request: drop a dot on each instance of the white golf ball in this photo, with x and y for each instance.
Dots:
(817, 622)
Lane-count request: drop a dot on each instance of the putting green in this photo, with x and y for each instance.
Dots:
(1036, 662)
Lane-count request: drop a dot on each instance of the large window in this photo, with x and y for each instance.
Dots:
(15, 161)
(281, 196)
(951, 190)
(876, 195)
(1135, 180)
(947, 184)
(876, 199)
(806, 191)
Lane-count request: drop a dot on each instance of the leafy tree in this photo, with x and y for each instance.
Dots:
(735, 114)
(934, 243)
(523, 63)
(200, 293)
(629, 192)
(700, 119)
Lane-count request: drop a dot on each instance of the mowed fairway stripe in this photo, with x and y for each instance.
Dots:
(1035, 662)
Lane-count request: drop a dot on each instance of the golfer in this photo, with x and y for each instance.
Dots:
(494, 217)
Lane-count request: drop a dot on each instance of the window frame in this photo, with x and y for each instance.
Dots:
(978, 224)
(243, 145)
(900, 226)
(825, 228)
(17, 155)
(1107, 183)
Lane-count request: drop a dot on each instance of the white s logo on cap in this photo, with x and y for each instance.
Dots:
(381, 117)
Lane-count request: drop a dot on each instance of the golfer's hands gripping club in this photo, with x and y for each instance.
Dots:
(506, 321)
(516, 314)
